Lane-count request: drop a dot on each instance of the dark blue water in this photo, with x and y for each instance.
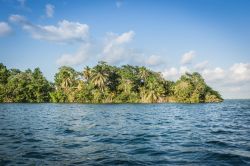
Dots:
(125, 134)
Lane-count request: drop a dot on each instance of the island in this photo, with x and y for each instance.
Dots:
(103, 83)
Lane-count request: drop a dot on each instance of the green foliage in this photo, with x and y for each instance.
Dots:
(4, 74)
(28, 86)
(191, 88)
(58, 97)
(212, 96)
(103, 84)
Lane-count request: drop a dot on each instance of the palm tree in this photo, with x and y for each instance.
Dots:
(143, 73)
(99, 78)
(143, 95)
(152, 96)
(80, 84)
(67, 79)
(87, 73)
(154, 91)
(126, 85)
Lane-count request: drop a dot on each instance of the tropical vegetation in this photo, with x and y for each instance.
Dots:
(103, 83)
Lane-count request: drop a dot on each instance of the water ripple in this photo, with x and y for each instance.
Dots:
(125, 134)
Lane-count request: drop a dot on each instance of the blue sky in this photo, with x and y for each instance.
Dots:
(208, 36)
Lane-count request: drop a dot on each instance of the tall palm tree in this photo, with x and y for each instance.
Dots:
(126, 85)
(99, 78)
(143, 95)
(143, 73)
(152, 96)
(67, 79)
(80, 84)
(154, 91)
(87, 73)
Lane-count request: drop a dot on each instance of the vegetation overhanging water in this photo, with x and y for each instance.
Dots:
(103, 83)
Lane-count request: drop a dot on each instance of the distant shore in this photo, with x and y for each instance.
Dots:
(103, 83)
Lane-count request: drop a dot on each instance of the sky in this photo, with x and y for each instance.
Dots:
(170, 36)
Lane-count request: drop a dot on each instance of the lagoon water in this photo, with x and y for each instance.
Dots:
(125, 134)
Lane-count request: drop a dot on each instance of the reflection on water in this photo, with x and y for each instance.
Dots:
(125, 134)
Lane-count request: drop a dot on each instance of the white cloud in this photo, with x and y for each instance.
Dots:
(5, 29)
(64, 31)
(15, 18)
(115, 49)
(188, 57)
(82, 55)
(233, 82)
(114, 40)
(125, 37)
(213, 74)
(170, 74)
(184, 69)
(201, 65)
(154, 60)
(240, 72)
(49, 9)
(174, 73)
(116, 55)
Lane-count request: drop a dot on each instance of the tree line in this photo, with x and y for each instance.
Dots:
(103, 83)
